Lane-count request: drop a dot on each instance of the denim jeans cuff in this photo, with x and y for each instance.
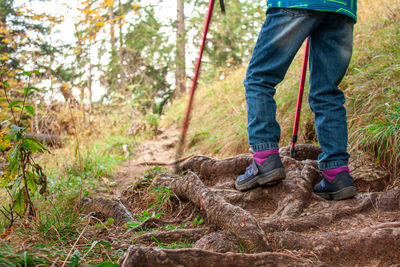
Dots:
(332, 164)
(264, 146)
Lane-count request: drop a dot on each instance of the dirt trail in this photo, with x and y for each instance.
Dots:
(284, 224)
(158, 151)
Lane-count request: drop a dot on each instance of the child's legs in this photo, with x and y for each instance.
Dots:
(281, 36)
(330, 52)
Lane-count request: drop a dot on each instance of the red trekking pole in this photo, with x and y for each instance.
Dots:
(194, 82)
(299, 100)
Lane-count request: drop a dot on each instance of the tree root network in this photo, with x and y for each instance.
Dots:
(281, 224)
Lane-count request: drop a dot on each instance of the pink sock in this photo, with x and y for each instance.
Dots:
(330, 174)
(261, 156)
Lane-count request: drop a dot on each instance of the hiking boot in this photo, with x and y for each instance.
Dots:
(271, 170)
(341, 187)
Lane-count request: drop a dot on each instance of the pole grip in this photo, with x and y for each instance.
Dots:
(222, 5)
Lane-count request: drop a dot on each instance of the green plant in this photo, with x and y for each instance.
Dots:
(173, 245)
(164, 193)
(55, 227)
(241, 247)
(153, 209)
(153, 121)
(23, 178)
(10, 258)
(107, 223)
(383, 137)
(57, 224)
(147, 215)
(143, 217)
(173, 227)
(197, 221)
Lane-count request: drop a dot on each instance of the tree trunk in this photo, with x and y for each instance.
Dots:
(113, 77)
(120, 53)
(89, 83)
(112, 31)
(180, 75)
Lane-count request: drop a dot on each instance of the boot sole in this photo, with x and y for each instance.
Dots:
(347, 192)
(275, 175)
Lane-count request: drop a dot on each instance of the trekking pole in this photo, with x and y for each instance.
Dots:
(299, 99)
(194, 82)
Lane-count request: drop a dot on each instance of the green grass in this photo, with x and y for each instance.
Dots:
(373, 89)
(49, 236)
(173, 245)
(10, 258)
(382, 136)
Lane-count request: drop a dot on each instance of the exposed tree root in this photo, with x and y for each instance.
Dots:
(162, 180)
(390, 200)
(287, 217)
(158, 163)
(298, 190)
(322, 217)
(108, 209)
(145, 256)
(380, 242)
(189, 235)
(230, 218)
(152, 223)
(368, 178)
(302, 151)
(219, 242)
(211, 170)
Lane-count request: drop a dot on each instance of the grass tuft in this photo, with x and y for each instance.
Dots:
(382, 136)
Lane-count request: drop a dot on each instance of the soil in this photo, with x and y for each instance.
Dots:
(157, 151)
(280, 225)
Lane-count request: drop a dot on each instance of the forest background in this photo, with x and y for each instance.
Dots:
(74, 107)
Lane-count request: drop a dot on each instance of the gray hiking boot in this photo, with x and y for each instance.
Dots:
(342, 187)
(270, 171)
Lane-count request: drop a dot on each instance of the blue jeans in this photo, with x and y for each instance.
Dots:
(331, 42)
